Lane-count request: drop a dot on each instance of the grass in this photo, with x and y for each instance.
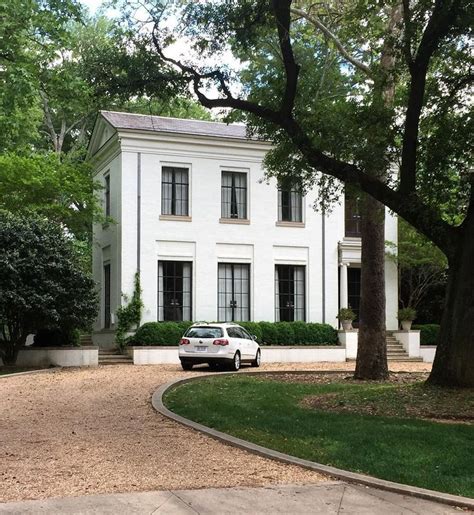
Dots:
(282, 415)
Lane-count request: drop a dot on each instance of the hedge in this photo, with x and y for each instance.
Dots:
(267, 333)
(56, 338)
(428, 333)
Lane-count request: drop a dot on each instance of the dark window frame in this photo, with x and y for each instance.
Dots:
(107, 194)
(107, 295)
(234, 204)
(177, 294)
(285, 204)
(285, 293)
(174, 184)
(234, 303)
(352, 217)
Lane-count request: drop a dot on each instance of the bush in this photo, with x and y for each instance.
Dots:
(56, 338)
(267, 333)
(428, 333)
(406, 314)
(253, 328)
(159, 333)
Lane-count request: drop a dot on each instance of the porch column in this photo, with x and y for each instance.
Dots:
(343, 286)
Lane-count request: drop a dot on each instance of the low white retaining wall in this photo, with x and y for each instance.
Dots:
(427, 352)
(59, 356)
(270, 354)
(349, 340)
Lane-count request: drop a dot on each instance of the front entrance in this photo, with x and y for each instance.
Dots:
(353, 291)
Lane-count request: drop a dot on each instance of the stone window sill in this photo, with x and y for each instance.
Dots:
(176, 218)
(289, 224)
(238, 221)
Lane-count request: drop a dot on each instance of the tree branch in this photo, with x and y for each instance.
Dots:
(439, 24)
(314, 20)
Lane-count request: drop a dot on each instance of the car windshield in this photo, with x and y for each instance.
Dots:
(204, 332)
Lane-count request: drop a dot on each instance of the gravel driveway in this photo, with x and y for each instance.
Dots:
(89, 431)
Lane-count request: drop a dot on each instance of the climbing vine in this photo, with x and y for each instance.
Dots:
(129, 315)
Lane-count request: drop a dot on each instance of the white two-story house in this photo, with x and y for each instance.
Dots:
(210, 238)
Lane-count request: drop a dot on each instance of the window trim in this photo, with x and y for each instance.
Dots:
(304, 295)
(280, 220)
(235, 219)
(249, 307)
(173, 167)
(191, 286)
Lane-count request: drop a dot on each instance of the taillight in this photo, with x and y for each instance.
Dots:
(221, 342)
(184, 341)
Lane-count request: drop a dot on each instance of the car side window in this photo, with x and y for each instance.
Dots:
(233, 333)
(245, 334)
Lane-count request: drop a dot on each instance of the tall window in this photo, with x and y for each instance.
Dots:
(107, 317)
(352, 213)
(353, 291)
(107, 194)
(174, 191)
(233, 292)
(290, 205)
(289, 293)
(174, 291)
(234, 195)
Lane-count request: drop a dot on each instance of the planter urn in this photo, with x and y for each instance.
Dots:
(406, 325)
(346, 325)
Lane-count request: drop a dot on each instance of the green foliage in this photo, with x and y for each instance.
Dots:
(428, 333)
(267, 333)
(56, 338)
(129, 315)
(408, 314)
(346, 314)
(42, 282)
(159, 333)
(60, 190)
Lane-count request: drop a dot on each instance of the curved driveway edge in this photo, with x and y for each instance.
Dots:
(352, 477)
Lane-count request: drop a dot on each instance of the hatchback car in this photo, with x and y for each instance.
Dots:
(218, 344)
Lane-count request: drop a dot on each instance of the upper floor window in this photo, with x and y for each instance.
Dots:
(352, 213)
(234, 195)
(174, 191)
(290, 205)
(107, 194)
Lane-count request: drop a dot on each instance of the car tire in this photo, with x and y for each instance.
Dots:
(257, 360)
(235, 363)
(186, 365)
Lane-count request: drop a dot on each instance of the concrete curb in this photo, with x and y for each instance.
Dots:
(40, 371)
(351, 477)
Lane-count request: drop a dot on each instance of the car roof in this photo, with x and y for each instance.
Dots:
(215, 324)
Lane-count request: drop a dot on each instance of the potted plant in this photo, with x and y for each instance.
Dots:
(406, 317)
(346, 316)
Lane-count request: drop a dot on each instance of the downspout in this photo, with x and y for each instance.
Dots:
(139, 198)
(323, 262)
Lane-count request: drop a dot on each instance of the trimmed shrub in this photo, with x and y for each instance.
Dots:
(267, 333)
(56, 338)
(253, 328)
(159, 333)
(428, 333)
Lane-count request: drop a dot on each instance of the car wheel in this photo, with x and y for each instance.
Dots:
(186, 365)
(258, 358)
(235, 365)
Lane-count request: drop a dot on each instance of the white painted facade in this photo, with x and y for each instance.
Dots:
(141, 235)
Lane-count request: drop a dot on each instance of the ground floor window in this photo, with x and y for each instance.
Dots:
(233, 292)
(353, 290)
(289, 293)
(174, 291)
(107, 317)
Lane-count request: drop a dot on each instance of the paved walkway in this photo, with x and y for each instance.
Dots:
(327, 497)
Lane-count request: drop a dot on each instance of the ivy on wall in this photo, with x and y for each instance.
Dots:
(129, 316)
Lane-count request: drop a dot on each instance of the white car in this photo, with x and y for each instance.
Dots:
(218, 344)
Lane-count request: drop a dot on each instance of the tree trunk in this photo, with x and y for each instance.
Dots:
(372, 350)
(10, 353)
(454, 360)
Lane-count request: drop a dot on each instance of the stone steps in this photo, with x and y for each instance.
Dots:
(112, 357)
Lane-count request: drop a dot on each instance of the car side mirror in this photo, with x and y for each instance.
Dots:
(254, 337)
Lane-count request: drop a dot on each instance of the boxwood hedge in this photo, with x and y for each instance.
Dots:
(267, 333)
(428, 333)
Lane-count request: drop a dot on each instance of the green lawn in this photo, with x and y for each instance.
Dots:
(272, 413)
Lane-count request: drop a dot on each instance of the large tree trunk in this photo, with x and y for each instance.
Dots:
(372, 349)
(454, 360)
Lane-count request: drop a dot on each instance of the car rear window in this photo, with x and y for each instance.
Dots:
(204, 332)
